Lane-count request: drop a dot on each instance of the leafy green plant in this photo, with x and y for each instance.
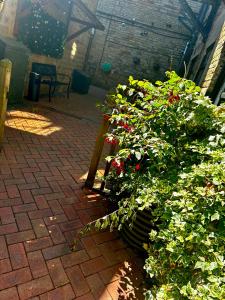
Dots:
(171, 161)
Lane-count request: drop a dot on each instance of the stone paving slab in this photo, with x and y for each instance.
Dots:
(43, 206)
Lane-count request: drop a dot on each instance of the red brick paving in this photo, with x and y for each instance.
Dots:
(42, 207)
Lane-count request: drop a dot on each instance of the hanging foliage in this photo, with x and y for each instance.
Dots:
(42, 33)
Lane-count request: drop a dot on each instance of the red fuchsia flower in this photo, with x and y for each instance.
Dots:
(121, 123)
(114, 163)
(173, 98)
(126, 126)
(138, 167)
(119, 166)
(106, 117)
(111, 141)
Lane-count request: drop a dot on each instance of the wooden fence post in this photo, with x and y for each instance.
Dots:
(5, 75)
(97, 153)
(108, 166)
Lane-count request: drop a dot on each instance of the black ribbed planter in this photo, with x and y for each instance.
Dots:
(138, 234)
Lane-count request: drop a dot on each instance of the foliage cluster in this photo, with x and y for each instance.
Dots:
(171, 161)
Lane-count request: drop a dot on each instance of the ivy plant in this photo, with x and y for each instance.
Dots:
(171, 162)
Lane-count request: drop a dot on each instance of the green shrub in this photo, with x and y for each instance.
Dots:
(171, 160)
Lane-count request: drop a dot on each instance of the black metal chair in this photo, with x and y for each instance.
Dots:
(47, 75)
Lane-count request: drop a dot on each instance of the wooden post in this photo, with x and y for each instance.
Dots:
(108, 166)
(97, 153)
(5, 75)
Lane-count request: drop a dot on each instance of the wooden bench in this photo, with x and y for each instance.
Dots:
(47, 75)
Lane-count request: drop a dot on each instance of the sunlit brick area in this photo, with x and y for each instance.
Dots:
(112, 149)
(42, 207)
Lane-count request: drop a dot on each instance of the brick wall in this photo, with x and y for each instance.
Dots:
(144, 29)
(217, 57)
(147, 30)
(216, 64)
(75, 50)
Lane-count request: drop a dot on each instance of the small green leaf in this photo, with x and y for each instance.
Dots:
(215, 216)
(138, 155)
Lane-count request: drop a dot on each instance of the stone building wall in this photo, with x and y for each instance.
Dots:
(216, 64)
(75, 50)
(144, 31)
(216, 60)
(142, 37)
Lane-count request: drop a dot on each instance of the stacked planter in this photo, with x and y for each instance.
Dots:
(137, 233)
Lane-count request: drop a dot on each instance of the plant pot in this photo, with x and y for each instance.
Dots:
(137, 233)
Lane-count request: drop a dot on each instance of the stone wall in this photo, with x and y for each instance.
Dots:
(216, 60)
(142, 37)
(75, 51)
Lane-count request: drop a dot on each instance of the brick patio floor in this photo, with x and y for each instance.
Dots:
(42, 207)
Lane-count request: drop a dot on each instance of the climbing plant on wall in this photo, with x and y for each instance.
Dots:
(42, 33)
